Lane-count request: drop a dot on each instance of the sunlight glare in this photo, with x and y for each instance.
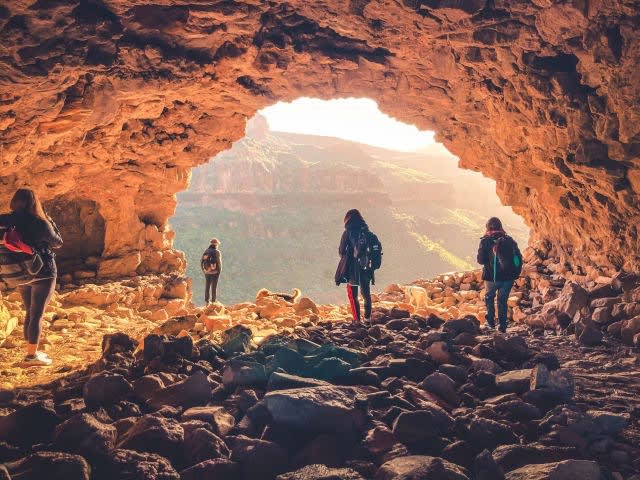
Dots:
(355, 119)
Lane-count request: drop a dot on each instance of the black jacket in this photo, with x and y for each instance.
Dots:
(486, 256)
(42, 236)
(212, 252)
(348, 269)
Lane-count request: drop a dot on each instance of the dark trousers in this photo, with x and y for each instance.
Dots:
(211, 286)
(502, 288)
(35, 297)
(352, 292)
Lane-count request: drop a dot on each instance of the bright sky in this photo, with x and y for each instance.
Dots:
(356, 119)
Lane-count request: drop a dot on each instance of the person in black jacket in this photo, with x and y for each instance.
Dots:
(41, 234)
(349, 270)
(498, 276)
(211, 265)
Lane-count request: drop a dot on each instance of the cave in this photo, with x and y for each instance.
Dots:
(82, 227)
(112, 103)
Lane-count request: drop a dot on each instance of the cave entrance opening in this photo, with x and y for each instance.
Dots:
(82, 228)
(277, 198)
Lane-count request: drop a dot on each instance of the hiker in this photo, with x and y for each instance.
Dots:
(29, 235)
(502, 264)
(360, 255)
(211, 265)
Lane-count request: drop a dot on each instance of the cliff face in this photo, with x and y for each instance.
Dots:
(108, 104)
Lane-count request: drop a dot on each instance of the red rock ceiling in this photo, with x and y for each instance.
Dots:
(113, 102)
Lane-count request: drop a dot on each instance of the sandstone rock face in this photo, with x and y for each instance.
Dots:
(106, 106)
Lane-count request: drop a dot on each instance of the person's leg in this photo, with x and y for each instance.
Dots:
(504, 288)
(207, 287)
(41, 292)
(352, 292)
(214, 286)
(489, 297)
(365, 285)
(25, 293)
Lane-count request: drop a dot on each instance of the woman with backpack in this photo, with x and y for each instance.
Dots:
(356, 267)
(211, 265)
(502, 263)
(27, 227)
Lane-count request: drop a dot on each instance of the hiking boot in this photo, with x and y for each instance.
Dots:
(502, 329)
(40, 359)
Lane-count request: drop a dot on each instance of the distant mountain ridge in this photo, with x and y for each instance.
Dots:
(277, 199)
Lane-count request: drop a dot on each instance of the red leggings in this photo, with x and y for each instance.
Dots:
(352, 293)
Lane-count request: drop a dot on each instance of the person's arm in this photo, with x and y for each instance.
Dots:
(483, 256)
(219, 261)
(49, 235)
(344, 244)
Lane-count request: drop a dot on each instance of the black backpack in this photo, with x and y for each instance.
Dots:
(368, 251)
(506, 257)
(208, 263)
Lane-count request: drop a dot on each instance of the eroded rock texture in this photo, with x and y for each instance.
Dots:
(108, 104)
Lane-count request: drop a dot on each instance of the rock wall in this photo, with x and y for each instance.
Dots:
(113, 101)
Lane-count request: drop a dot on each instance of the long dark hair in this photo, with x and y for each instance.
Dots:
(353, 215)
(494, 224)
(25, 200)
(354, 220)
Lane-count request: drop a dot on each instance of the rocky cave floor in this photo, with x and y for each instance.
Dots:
(409, 397)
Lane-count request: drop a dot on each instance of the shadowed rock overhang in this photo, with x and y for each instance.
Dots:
(110, 103)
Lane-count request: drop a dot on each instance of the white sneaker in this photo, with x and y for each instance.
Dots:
(40, 359)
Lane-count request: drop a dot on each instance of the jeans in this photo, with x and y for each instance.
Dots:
(352, 292)
(35, 296)
(502, 288)
(211, 286)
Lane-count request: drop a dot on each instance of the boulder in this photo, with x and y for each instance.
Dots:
(439, 352)
(316, 409)
(629, 329)
(411, 427)
(601, 315)
(131, 465)
(221, 421)
(468, 324)
(486, 468)
(29, 425)
(258, 459)
(85, 435)
(53, 465)
(154, 434)
(489, 433)
(511, 348)
(321, 472)
(201, 445)
(511, 457)
(192, 391)
(442, 386)
(514, 381)
(239, 373)
(104, 389)
(566, 470)
(418, 467)
(572, 299)
(144, 387)
(236, 339)
(560, 381)
(590, 335)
